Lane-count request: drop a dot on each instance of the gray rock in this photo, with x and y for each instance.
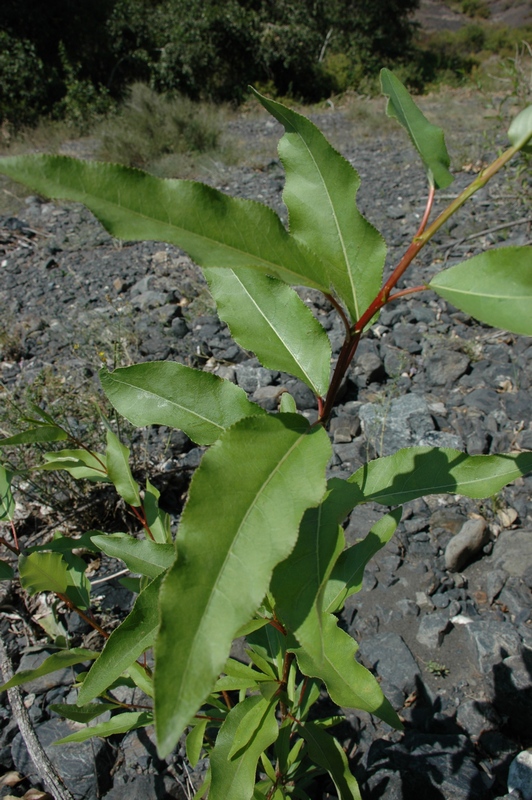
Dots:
(432, 629)
(150, 299)
(61, 677)
(513, 552)
(83, 766)
(494, 583)
(389, 656)
(462, 547)
(401, 423)
(491, 642)
(136, 787)
(513, 690)
(475, 717)
(444, 367)
(520, 774)
(252, 378)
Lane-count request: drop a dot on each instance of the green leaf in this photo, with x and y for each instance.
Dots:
(66, 544)
(120, 723)
(269, 318)
(78, 463)
(328, 653)
(248, 727)
(158, 520)
(132, 637)
(417, 471)
(167, 393)
(494, 287)
(49, 572)
(194, 742)
(320, 194)
(214, 229)
(83, 714)
(119, 472)
(520, 130)
(60, 660)
(348, 572)
(326, 751)
(427, 138)
(235, 777)
(44, 433)
(139, 555)
(6, 571)
(7, 502)
(238, 670)
(259, 477)
(287, 404)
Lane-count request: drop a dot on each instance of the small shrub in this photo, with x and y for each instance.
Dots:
(476, 8)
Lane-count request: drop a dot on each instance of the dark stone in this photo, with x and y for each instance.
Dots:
(491, 642)
(399, 423)
(513, 690)
(443, 367)
(391, 659)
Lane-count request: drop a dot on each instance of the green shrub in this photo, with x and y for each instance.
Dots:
(476, 8)
(22, 82)
(151, 125)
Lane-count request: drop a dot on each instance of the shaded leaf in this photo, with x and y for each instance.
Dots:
(44, 433)
(235, 777)
(348, 572)
(214, 229)
(326, 751)
(194, 741)
(120, 723)
(328, 653)
(59, 660)
(494, 287)
(66, 544)
(520, 130)
(126, 643)
(260, 477)
(320, 194)
(427, 138)
(268, 317)
(85, 713)
(7, 502)
(119, 472)
(139, 555)
(167, 393)
(6, 571)
(158, 520)
(417, 471)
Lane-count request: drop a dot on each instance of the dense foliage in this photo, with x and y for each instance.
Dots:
(65, 57)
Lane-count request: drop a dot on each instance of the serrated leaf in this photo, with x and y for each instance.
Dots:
(267, 317)
(78, 463)
(44, 433)
(348, 572)
(60, 660)
(167, 393)
(126, 643)
(214, 229)
(320, 194)
(326, 751)
(328, 653)
(260, 477)
(427, 138)
(418, 471)
(120, 723)
(7, 502)
(139, 555)
(494, 287)
(235, 778)
(6, 571)
(85, 713)
(520, 130)
(119, 472)
(194, 742)
(49, 572)
(158, 521)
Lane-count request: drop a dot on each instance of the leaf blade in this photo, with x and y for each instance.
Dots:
(248, 471)
(60, 660)
(494, 287)
(139, 555)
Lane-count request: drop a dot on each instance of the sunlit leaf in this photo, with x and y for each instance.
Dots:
(520, 130)
(50, 572)
(44, 433)
(119, 471)
(194, 742)
(494, 287)
(235, 777)
(139, 555)
(158, 521)
(120, 723)
(320, 194)
(59, 660)
(214, 229)
(168, 393)
(267, 317)
(78, 463)
(260, 477)
(427, 138)
(126, 643)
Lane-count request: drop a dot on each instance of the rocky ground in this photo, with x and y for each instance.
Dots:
(448, 633)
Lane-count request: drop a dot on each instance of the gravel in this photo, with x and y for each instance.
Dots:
(450, 640)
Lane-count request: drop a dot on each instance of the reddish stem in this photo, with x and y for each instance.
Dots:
(140, 515)
(84, 616)
(14, 550)
(405, 292)
(15, 537)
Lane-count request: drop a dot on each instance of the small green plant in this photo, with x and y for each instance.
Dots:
(435, 668)
(260, 551)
